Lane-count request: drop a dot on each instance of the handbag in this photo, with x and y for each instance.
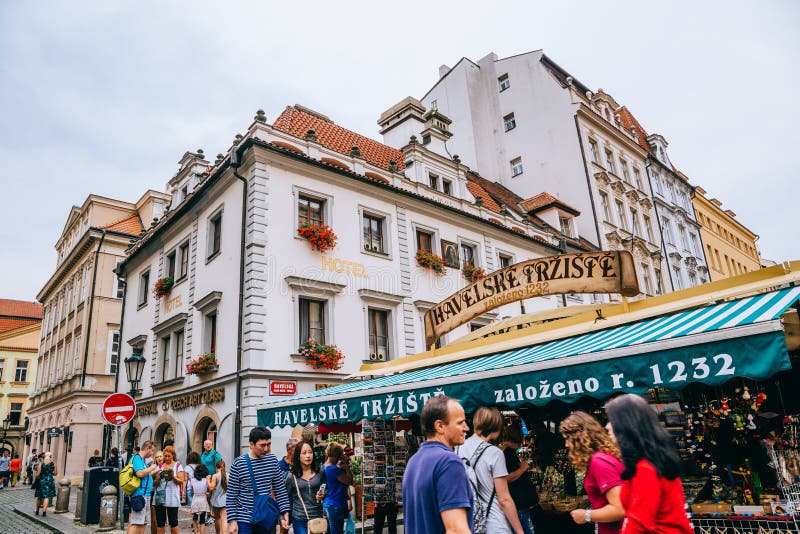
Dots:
(138, 501)
(318, 525)
(265, 510)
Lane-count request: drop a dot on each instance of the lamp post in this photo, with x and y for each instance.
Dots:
(6, 425)
(134, 368)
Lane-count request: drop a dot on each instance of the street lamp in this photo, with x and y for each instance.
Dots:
(134, 368)
(6, 424)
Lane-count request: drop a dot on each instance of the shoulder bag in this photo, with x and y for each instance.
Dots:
(318, 525)
(265, 510)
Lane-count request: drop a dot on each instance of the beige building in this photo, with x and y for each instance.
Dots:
(79, 345)
(20, 323)
(729, 246)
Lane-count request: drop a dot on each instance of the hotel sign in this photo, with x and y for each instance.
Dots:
(585, 272)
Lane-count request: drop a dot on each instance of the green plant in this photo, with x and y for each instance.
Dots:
(163, 286)
(472, 273)
(319, 355)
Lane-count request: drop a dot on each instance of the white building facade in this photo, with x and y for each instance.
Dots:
(526, 121)
(367, 296)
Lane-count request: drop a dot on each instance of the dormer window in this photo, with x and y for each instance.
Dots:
(433, 181)
(447, 187)
(566, 226)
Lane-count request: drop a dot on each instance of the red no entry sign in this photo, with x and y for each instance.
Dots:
(118, 408)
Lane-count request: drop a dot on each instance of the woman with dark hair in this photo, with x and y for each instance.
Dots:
(199, 503)
(651, 495)
(520, 485)
(303, 485)
(489, 465)
(592, 450)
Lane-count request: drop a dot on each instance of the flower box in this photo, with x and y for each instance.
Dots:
(163, 286)
(320, 356)
(429, 260)
(204, 364)
(472, 273)
(320, 236)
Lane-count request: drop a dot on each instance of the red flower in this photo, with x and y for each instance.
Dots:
(431, 261)
(318, 355)
(320, 236)
(472, 273)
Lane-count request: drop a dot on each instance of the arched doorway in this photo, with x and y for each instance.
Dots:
(131, 435)
(164, 432)
(206, 428)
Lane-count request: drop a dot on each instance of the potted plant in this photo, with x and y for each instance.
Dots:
(321, 356)
(203, 364)
(429, 260)
(320, 236)
(472, 273)
(163, 286)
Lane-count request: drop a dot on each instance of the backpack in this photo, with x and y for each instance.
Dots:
(480, 512)
(128, 481)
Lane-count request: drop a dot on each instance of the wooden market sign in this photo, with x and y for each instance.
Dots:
(584, 272)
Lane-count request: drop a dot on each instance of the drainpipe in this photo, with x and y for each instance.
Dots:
(120, 280)
(658, 222)
(588, 180)
(91, 309)
(237, 422)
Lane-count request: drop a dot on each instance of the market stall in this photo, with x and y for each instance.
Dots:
(708, 370)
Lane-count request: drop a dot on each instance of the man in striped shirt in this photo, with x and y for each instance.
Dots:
(239, 500)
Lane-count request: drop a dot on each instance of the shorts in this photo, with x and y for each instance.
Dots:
(142, 517)
(166, 514)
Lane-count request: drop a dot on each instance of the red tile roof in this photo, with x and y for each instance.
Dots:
(12, 324)
(297, 122)
(486, 198)
(128, 225)
(544, 200)
(629, 121)
(20, 309)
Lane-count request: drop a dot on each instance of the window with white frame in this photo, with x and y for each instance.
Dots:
(378, 332)
(648, 227)
(113, 351)
(682, 233)
(635, 222)
(15, 413)
(84, 282)
(595, 152)
(648, 285)
(433, 181)
(504, 260)
(54, 358)
(310, 210)
(447, 187)
(119, 288)
(516, 166)
(312, 320)
(623, 164)
(676, 276)
(210, 332)
(76, 362)
(623, 220)
(667, 231)
(637, 177)
(566, 226)
(373, 229)
(469, 254)
(183, 260)
(171, 258)
(67, 298)
(62, 364)
(171, 352)
(434, 105)
(695, 247)
(2, 368)
(21, 372)
(509, 122)
(503, 82)
(606, 206)
(659, 286)
(76, 288)
(214, 234)
(610, 162)
(144, 287)
(659, 184)
(692, 279)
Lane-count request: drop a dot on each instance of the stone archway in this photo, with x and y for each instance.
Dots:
(206, 426)
(163, 429)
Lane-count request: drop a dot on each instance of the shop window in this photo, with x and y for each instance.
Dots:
(144, 287)
(113, 352)
(312, 320)
(214, 235)
(15, 413)
(510, 122)
(310, 210)
(424, 240)
(378, 334)
(21, 372)
(372, 227)
(516, 166)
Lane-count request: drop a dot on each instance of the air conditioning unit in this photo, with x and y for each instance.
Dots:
(376, 248)
(377, 357)
(366, 246)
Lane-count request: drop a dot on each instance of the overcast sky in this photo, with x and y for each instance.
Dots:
(104, 97)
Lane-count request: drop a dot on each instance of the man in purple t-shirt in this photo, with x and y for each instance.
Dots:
(437, 497)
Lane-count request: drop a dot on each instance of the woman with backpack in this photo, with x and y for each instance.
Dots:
(652, 494)
(494, 510)
(592, 450)
(218, 485)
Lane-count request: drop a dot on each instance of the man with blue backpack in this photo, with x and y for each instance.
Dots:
(252, 481)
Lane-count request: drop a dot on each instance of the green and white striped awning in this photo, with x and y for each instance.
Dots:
(711, 344)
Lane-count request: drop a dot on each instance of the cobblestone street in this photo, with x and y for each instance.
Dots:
(10, 520)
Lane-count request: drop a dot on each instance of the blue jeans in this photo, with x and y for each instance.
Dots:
(336, 516)
(247, 528)
(525, 519)
(300, 526)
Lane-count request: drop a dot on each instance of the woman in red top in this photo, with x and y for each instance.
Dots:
(591, 449)
(652, 494)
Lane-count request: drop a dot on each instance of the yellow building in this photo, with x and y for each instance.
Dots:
(729, 246)
(20, 324)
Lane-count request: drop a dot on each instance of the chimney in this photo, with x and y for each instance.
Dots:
(443, 70)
